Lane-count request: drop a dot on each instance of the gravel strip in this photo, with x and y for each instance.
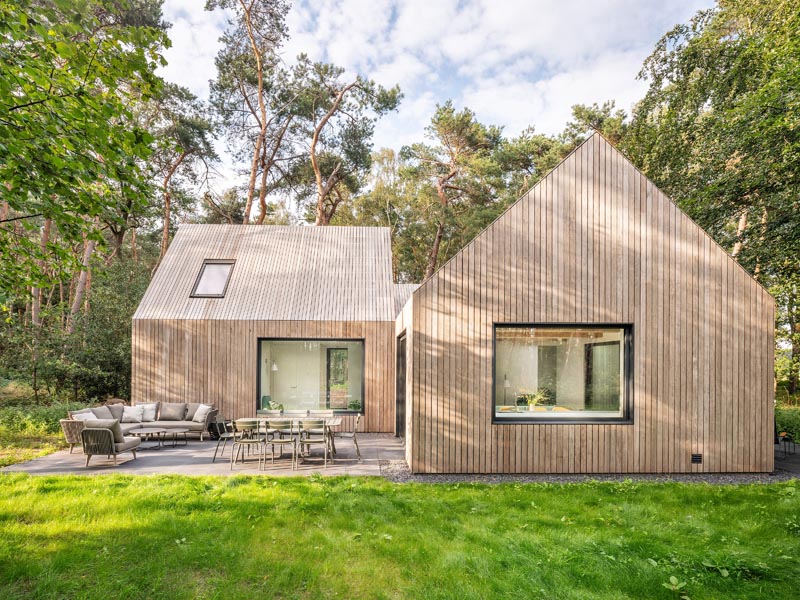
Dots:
(398, 472)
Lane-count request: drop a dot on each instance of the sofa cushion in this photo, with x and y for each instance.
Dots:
(83, 416)
(172, 411)
(102, 412)
(128, 427)
(128, 443)
(150, 411)
(201, 413)
(190, 425)
(191, 409)
(117, 410)
(111, 424)
(83, 411)
(132, 414)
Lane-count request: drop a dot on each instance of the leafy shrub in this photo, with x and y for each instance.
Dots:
(35, 420)
(788, 420)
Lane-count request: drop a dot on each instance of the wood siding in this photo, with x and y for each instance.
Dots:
(404, 325)
(280, 273)
(178, 360)
(596, 242)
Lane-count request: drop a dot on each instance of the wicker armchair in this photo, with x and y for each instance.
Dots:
(72, 431)
(101, 441)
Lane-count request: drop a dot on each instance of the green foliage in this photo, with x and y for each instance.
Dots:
(71, 71)
(788, 419)
(719, 131)
(35, 420)
(438, 195)
(29, 431)
(369, 538)
(95, 360)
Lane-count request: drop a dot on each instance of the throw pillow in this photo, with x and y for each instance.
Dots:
(191, 408)
(111, 424)
(102, 412)
(83, 416)
(172, 411)
(117, 410)
(150, 409)
(132, 414)
(201, 413)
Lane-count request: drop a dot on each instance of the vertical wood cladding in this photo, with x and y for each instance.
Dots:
(215, 362)
(596, 242)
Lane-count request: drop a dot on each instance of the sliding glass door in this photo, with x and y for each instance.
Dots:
(312, 374)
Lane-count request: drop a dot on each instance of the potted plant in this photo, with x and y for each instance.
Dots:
(542, 397)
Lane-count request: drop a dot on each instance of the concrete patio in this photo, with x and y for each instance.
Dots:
(195, 459)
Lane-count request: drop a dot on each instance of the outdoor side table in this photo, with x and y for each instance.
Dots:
(151, 433)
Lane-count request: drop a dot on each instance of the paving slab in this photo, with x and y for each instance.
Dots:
(196, 459)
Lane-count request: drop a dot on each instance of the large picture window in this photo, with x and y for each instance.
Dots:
(311, 375)
(555, 373)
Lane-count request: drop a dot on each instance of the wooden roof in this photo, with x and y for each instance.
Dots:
(402, 292)
(280, 273)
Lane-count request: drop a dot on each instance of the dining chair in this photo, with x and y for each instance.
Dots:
(313, 433)
(245, 438)
(276, 437)
(353, 435)
(225, 431)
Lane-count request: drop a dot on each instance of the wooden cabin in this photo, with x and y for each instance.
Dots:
(592, 328)
(299, 317)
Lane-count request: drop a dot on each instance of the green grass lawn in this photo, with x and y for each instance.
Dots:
(16, 447)
(257, 537)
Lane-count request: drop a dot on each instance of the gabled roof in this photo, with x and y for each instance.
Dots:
(564, 173)
(280, 273)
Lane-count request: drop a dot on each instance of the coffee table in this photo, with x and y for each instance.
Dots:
(151, 433)
(175, 433)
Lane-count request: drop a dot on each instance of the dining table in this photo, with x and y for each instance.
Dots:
(330, 424)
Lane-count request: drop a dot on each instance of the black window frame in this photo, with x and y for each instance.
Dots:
(213, 261)
(336, 411)
(627, 408)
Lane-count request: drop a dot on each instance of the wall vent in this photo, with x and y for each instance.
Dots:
(697, 459)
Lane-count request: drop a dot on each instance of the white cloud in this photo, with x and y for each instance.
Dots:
(546, 103)
(195, 41)
(516, 63)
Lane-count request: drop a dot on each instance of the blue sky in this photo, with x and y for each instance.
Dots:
(514, 62)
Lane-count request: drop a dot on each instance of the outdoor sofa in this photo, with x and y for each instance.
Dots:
(193, 416)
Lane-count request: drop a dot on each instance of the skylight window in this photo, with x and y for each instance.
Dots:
(213, 279)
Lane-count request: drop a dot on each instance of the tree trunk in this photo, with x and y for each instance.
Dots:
(266, 166)
(165, 228)
(325, 187)
(433, 257)
(251, 185)
(262, 195)
(792, 314)
(87, 292)
(262, 107)
(118, 238)
(4, 209)
(37, 291)
(168, 204)
(80, 287)
(737, 247)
